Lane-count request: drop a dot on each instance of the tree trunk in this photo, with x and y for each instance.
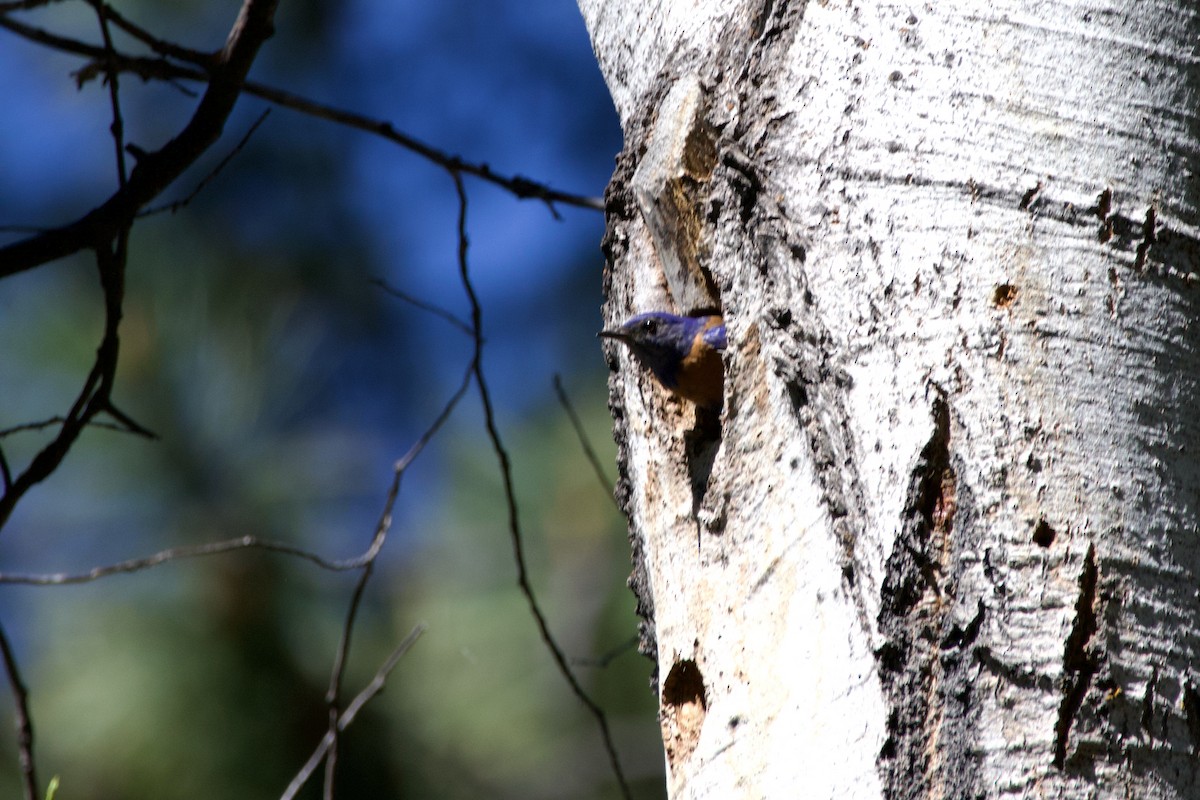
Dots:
(942, 540)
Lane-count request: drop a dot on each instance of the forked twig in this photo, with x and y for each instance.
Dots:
(347, 717)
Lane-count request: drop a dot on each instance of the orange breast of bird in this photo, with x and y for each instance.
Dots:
(702, 374)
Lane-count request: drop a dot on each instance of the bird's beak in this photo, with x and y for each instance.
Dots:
(619, 335)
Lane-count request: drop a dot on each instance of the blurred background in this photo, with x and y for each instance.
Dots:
(283, 384)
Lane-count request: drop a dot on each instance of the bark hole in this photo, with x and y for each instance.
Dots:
(684, 707)
(1044, 533)
(1004, 296)
(1080, 664)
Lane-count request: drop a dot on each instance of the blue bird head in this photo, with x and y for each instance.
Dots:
(680, 351)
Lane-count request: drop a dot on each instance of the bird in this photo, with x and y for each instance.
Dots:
(683, 352)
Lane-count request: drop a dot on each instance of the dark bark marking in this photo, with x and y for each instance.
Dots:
(700, 446)
(929, 513)
(1191, 710)
(1021, 677)
(1148, 703)
(1030, 196)
(1080, 664)
(1149, 237)
(926, 660)
(960, 638)
(1104, 204)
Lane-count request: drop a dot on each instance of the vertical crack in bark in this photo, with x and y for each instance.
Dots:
(924, 662)
(1080, 664)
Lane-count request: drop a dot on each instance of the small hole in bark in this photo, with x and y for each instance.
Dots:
(1004, 295)
(684, 706)
(1044, 534)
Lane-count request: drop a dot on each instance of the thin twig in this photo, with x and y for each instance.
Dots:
(114, 90)
(23, 721)
(160, 46)
(514, 523)
(347, 718)
(255, 543)
(24, 5)
(58, 420)
(128, 424)
(333, 696)
(176, 205)
(5, 473)
(580, 434)
(603, 660)
(178, 554)
(423, 305)
(93, 397)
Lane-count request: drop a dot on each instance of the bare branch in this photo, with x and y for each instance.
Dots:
(162, 69)
(519, 186)
(157, 170)
(514, 523)
(114, 90)
(344, 721)
(437, 311)
(24, 722)
(93, 397)
(207, 179)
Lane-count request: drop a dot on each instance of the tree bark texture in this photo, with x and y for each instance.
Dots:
(942, 540)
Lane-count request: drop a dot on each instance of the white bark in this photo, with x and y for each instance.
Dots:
(943, 540)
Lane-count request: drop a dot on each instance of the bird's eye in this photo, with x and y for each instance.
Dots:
(649, 326)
